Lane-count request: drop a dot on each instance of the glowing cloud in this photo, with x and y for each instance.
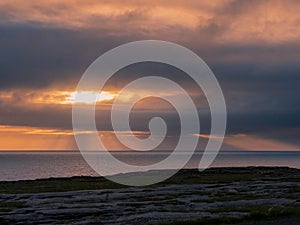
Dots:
(54, 97)
(89, 97)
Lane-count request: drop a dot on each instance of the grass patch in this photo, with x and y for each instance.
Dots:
(150, 198)
(11, 205)
(6, 222)
(209, 178)
(165, 203)
(256, 213)
(214, 176)
(294, 190)
(57, 185)
(265, 210)
(207, 221)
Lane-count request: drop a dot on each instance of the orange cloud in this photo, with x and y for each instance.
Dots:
(81, 14)
(40, 97)
(43, 97)
(272, 21)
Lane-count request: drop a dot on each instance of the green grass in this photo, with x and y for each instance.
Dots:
(207, 221)
(255, 213)
(57, 185)
(11, 205)
(267, 211)
(294, 189)
(228, 198)
(6, 222)
(216, 176)
(210, 178)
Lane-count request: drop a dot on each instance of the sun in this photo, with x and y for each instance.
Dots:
(89, 97)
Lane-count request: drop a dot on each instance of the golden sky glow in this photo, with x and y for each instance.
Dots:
(36, 138)
(14, 137)
(33, 138)
(251, 46)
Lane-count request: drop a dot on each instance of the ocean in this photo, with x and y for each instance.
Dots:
(28, 165)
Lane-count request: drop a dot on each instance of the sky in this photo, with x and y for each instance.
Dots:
(253, 48)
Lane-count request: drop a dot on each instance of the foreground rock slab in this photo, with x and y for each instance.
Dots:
(274, 188)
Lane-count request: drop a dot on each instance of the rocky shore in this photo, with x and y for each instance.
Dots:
(215, 196)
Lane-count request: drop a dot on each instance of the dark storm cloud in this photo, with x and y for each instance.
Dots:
(37, 57)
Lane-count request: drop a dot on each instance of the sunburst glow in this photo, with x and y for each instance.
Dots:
(89, 97)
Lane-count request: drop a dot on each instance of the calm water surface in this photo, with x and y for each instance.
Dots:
(21, 165)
